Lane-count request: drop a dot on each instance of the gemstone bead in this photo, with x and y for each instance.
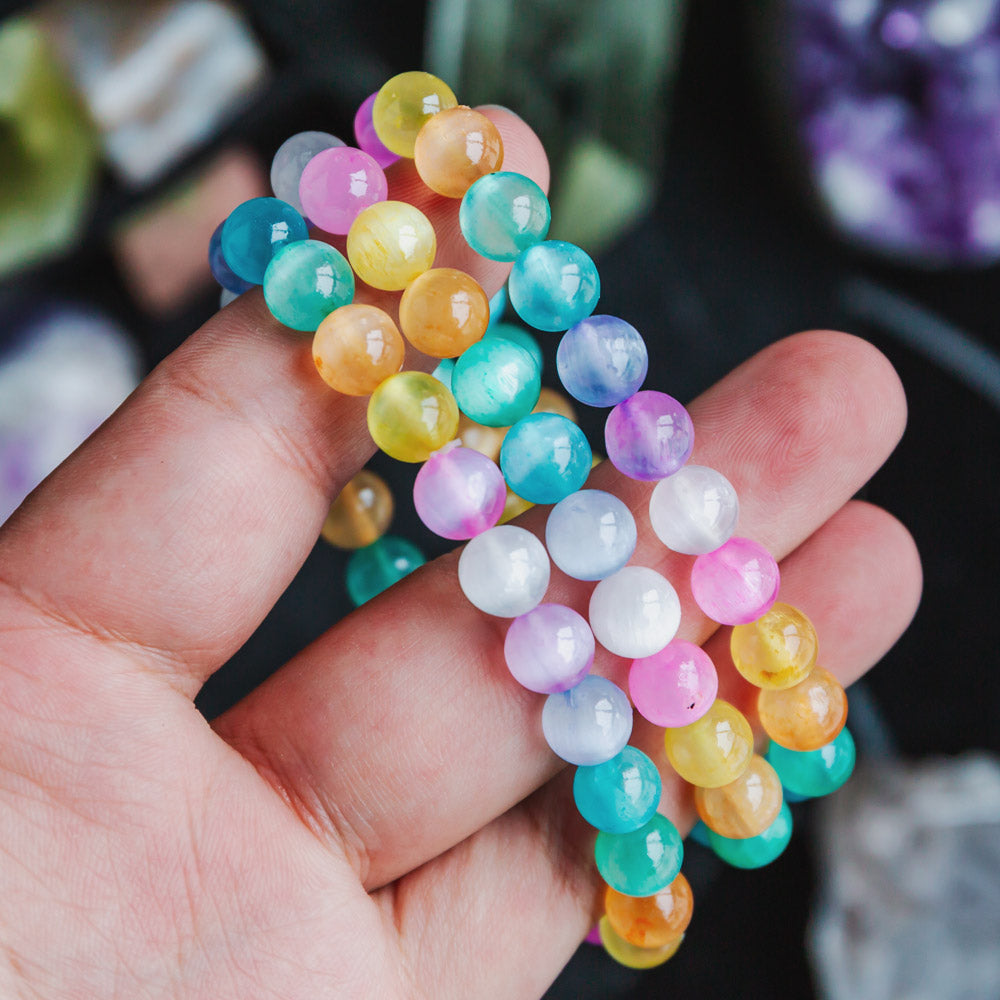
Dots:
(714, 750)
(366, 136)
(778, 650)
(815, 772)
(550, 401)
(755, 852)
(361, 513)
(736, 583)
(455, 148)
(305, 282)
(514, 507)
(522, 338)
(496, 382)
(378, 566)
(675, 686)
(255, 231)
(443, 372)
(389, 244)
(498, 303)
(588, 723)
(549, 649)
(291, 159)
(630, 955)
(619, 795)
(404, 104)
(694, 510)
(651, 921)
(590, 534)
(807, 715)
(634, 612)
(356, 348)
(553, 285)
(221, 271)
(545, 457)
(504, 571)
(649, 435)
(337, 184)
(746, 806)
(602, 360)
(479, 437)
(643, 862)
(458, 493)
(410, 415)
(503, 214)
(443, 312)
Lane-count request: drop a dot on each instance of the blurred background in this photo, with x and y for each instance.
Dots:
(740, 170)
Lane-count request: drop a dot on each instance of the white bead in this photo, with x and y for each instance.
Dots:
(695, 510)
(504, 571)
(291, 159)
(635, 612)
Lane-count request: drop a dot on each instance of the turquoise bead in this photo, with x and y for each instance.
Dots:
(814, 772)
(378, 566)
(545, 457)
(699, 834)
(619, 795)
(503, 214)
(444, 371)
(507, 331)
(642, 862)
(497, 305)
(496, 382)
(305, 282)
(255, 231)
(553, 285)
(755, 852)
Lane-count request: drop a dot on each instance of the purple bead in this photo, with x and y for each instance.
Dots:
(588, 724)
(675, 686)
(221, 271)
(549, 649)
(594, 937)
(649, 436)
(339, 183)
(736, 583)
(368, 140)
(602, 360)
(459, 493)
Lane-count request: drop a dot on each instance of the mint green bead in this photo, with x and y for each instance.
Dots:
(378, 566)
(507, 331)
(496, 382)
(305, 282)
(814, 772)
(755, 852)
(642, 862)
(503, 214)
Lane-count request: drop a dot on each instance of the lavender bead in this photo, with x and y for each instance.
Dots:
(590, 534)
(368, 140)
(549, 649)
(648, 436)
(291, 159)
(459, 493)
(602, 360)
(588, 724)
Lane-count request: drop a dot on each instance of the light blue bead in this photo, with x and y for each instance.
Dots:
(755, 852)
(602, 360)
(553, 285)
(305, 282)
(221, 271)
(814, 772)
(521, 337)
(545, 457)
(444, 371)
(619, 795)
(589, 723)
(590, 534)
(378, 566)
(497, 305)
(503, 214)
(643, 862)
(496, 382)
(255, 231)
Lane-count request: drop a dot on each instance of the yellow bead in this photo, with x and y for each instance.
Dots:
(411, 415)
(361, 513)
(714, 750)
(651, 921)
(389, 244)
(443, 311)
(745, 807)
(404, 104)
(455, 148)
(550, 401)
(356, 347)
(479, 437)
(806, 716)
(777, 650)
(629, 955)
(514, 506)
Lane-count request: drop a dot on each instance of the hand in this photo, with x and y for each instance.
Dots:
(382, 818)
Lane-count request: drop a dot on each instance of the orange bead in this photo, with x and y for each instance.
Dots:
(361, 513)
(356, 347)
(651, 921)
(550, 401)
(479, 437)
(745, 807)
(455, 148)
(806, 716)
(444, 311)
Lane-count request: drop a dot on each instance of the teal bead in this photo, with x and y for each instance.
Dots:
(497, 305)
(378, 566)
(699, 834)
(255, 231)
(619, 795)
(755, 852)
(553, 285)
(445, 369)
(496, 382)
(642, 862)
(305, 282)
(503, 214)
(811, 773)
(545, 457)
(515, 334)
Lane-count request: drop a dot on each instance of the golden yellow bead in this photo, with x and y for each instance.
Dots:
(389, 244)
(479, 437)
(403, 106)
(629, 955)
(651, 921)
(777, 650)
(443, 311)
(455, 148)
(806, 716)
(745, 807)
(361, 513)
(550, 401)
(356, 347)
(714, 750)
(514, 506)
(411, 415)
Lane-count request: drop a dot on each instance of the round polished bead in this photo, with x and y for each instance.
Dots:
(588, 723)
(619, 795)
(602, 360)
(404, 104)
(812, 773)
(459, 493)
(305, 282)
(255, 231)
(514, 507)
(504, 571)
(443, 312)
(746, 806)
(714, 750)
(553, 285)
(755, 852)
(496, 382)
(366, 136)
(807, 715)
(411, 415)
(675, 686)
(356, 348)
(498, 304)
(337, 184)
(455, 148)
(651, 921)
(649, 435)
(735, 583)
(634, 612)
(479, 437)
(778, 650)
(443, 372)
(549, 649)
(221, 271)
(643, 862)
(694, 511)
(503, 214)
(361, 513)
(291, 159)
(507, 331)
(545, 457)
(590, 534)
(378, 566)
(630, 955)
(391, 243)
(550, 401)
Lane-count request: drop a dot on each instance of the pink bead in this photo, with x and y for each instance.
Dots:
(736, 583)
(459, 493)
(339, 183)
(368, 140)
(675, 686)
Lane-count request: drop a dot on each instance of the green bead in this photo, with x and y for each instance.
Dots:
(755, 852)
(642, 862)
(378, 566)
(507, 331)
(814, 772)
(305, 281)
(496, 382)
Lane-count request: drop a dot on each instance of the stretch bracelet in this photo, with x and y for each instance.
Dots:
(461, 493)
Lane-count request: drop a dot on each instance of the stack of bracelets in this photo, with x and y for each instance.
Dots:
(462, 493)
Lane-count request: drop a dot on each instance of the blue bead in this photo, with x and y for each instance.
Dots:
(643, 862)
(497, 305)
(590, 534)
(255, 231)
(221, 271)
(507, 331)
(444, 371)
(378, 566)
(699, 834)
(619, 795)
(553, 285)
(814, 772)
(602, 360)
(496, 382)
(589, 723)
(545, 457)
(305, 282)
(503, 214)
(755, 852)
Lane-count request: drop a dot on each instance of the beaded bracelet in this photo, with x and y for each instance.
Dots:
(544, 458)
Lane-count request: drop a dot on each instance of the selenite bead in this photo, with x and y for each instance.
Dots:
(807, 715)
(675, 686)
(255, 231)
(746, 806)
(590, 534)
(550, 401)
(694, 510)
(649, 435)
(634, 612)
(366, 136)
(356, 348)
(522, 338)
(812, 773)
(361, 513)
(305, 282)
(496, 382)
(545, 457)
(378, 566)
(602, 360)
(455, 148)
(337, 184)
(643, 862)
(651, 921)
(389, 244)
(755, 852)
(619, 795)
(630, 955)
(443, 312)
(504, 571)
(714, 750)
(410, 415)
(404, 104)
(291, 159)
(553, 285)
(735, 583)
(503, 214)
(549, 649)
(778, 650)
(221, 271)
(498, 304)
(458, 493)
(588, 723)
